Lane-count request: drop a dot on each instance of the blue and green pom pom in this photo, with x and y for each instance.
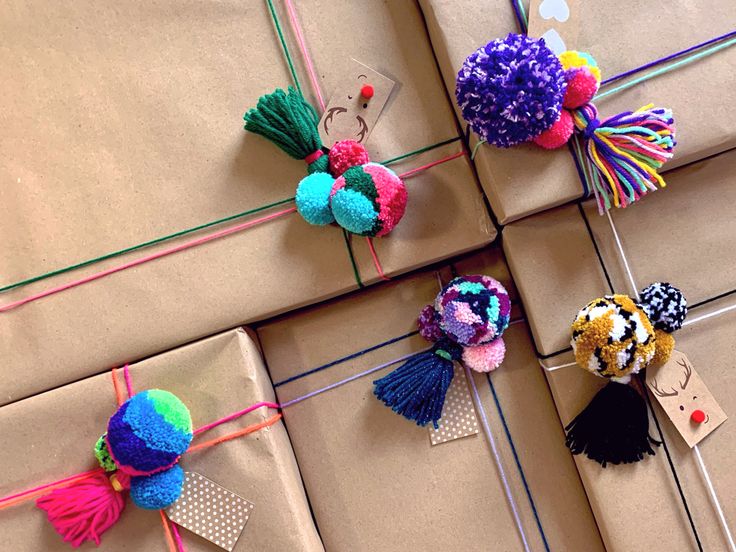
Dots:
(149, 432)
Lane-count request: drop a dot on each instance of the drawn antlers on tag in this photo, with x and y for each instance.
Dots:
(657, 391)
(688, 372)
(673, 393)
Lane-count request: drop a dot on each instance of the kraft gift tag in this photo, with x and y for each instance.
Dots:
(458, 415)
(210, 511)
(681, 392)
(557, 21)
(350, 115)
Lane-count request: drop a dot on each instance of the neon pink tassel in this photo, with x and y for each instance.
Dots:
(84, 510)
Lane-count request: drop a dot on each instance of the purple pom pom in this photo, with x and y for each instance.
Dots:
(511, 90)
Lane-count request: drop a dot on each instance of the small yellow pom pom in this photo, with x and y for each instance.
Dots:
(572, 58)
(664, 344)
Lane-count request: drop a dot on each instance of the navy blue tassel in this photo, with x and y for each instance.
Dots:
(417, 388)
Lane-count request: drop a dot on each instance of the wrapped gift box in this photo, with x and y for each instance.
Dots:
(51, 436)
(685, 236)
(122, 126)
(374, 480)
(527, 179)
(126, 125)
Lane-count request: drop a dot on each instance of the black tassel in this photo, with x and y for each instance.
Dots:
(613, 428)
(417, 388)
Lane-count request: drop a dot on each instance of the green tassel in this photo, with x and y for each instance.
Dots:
(288, 121)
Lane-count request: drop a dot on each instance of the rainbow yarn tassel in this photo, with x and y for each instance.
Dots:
(626, 151)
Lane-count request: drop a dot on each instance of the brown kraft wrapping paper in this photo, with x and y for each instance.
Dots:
(620, 35)
(685, 236)
(124, 125)
(51, 435)
(374, 480)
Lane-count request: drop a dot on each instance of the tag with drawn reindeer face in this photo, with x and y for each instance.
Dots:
(355, 105)
(685, 398)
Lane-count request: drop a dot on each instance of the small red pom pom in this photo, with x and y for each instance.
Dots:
(367, 91)
(698, 416)
(581, 87)
(558, 134)
(345, 154)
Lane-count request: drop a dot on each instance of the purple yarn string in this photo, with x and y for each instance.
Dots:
(349, 379)
(666, 58)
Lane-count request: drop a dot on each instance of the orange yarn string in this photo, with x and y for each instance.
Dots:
(116, 385)
(240, 433)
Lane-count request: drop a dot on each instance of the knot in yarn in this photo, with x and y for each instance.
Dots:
(448, 349)
(317, 162)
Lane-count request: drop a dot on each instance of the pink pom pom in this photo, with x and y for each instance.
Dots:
(558, 134)
(486, 357)
(345, 154)
(581, 87)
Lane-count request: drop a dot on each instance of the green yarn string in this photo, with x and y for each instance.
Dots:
(418, 151)
(193, 229)
(689, 59)
(283, 45)
(287, 120)
(142, 245)
(354, 264)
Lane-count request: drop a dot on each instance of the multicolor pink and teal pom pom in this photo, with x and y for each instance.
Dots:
(473, 310)
(368, 200)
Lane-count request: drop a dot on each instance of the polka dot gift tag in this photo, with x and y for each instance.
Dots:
(458, 415)
(210, 511)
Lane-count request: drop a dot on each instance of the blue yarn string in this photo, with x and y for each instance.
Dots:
(346, 358)
(520, 15)
(527, 489)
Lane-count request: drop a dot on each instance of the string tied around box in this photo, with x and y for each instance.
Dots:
(465, 323)
(645, 298)
(138, 456)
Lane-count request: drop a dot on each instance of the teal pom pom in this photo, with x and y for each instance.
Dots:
(313, 198)
(354, 211)
(158, 491)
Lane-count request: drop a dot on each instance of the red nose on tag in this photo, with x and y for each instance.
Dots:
(698, 416)
(367, 91)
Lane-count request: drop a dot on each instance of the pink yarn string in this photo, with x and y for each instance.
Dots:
(177, 537)
(147, 258)
(412, 172)
(128, 383)
(376, 262)
(235, 416)
(40, 488)
(296, 28)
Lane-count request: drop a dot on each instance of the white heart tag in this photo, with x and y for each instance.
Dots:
(554, 41)
(557, 9)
